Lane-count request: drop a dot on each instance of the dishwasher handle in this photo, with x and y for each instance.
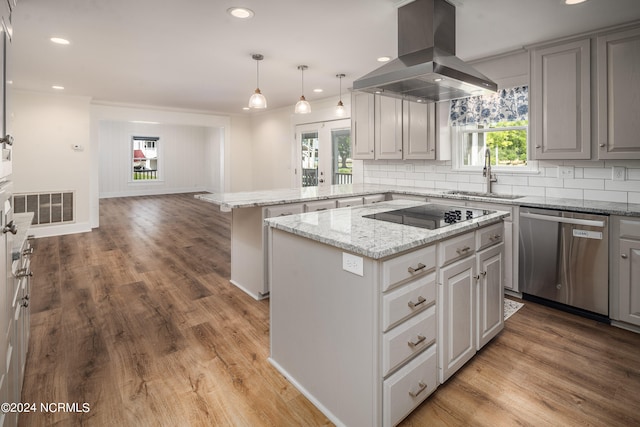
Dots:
(575, 221)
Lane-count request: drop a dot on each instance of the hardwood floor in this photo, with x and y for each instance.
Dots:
(138, 319)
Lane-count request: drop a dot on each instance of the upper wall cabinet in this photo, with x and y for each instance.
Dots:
(561, 101)
(389, 128)
(362, 108)
(418, 130)
(618, 67)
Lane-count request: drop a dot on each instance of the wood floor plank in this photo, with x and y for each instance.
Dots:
(138, 318)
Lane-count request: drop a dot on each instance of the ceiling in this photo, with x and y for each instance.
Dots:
(193, 55)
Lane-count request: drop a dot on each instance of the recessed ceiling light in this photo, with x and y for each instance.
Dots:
(384, 59)
(56, 87)
(144, 122)
(318, 90)
(58, 40)
(240, 12)
(574, 1)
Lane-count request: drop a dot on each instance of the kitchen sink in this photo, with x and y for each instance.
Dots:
(485, 195)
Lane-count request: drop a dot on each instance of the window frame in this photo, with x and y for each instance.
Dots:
(159, 159)
(457, 139)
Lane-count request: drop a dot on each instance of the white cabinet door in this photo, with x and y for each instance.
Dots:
(618, 57)
(629, 268)
(457, 316)
(418, 130)
(490, 294)
(362, 129)
(388, 127)
(561, 101)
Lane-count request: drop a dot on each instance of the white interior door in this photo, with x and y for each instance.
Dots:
(325, 153)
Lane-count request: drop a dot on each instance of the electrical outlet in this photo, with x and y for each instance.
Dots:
(619, 173)
(565, 172)
(353, 264)
(408, 167)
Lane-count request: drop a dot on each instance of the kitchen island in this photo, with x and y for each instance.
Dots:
(368, 317)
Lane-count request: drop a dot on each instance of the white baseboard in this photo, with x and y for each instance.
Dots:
(150, 192)
(307, 394)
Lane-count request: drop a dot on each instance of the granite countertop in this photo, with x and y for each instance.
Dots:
(346, 229)
(22, 222)
(247, 199)
(230, 201)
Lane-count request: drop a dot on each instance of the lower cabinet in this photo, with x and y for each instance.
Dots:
(15, 323)
(471, 297)
(625, 270)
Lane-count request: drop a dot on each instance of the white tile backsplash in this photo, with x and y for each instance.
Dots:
(592, 180)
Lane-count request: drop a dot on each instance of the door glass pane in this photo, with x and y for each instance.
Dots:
(341, 165)
(309, 159)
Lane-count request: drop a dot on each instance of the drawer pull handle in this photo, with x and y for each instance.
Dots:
(421, 387)
(321, 209)
(417, 342)
(412, 304)
(463, 250)
(286, 214)
(623, 256)
(420, 267)
(495, 237)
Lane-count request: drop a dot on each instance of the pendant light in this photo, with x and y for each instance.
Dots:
(340, 111)
(257, 100)
(302, 107)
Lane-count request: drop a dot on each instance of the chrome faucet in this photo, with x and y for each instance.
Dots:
(486, 171)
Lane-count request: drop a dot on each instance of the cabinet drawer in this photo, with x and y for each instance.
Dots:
(282, 210)
(456, 248)
(408, 300)
(489, 236)
(351, 201)
(629, 229)
(321, 205)
(405, 267)
(374, 198)
(408, 339)
(408, 387)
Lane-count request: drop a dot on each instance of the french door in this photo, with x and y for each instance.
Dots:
(325, 152)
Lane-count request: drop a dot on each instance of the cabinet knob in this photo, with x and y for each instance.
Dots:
(538, 146)
(602, 145)
(623, 256)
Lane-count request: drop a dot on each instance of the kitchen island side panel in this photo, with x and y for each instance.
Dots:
(247, 267)
(323, 330)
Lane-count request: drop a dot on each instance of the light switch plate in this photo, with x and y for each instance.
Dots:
(353, 264)
(565, 172)
(619, 173)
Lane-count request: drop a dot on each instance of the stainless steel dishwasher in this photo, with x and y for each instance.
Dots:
(564, 258)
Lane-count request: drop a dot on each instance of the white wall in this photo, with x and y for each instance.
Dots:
(45, 127)
(182, 159)
(239, 154)
(274, 147)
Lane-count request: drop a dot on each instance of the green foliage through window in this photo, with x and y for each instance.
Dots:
(507, 142)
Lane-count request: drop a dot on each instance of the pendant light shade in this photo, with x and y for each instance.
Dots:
(302, 107)
(257, 100)
(340, 111)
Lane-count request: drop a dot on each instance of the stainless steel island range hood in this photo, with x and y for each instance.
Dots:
(426, 68)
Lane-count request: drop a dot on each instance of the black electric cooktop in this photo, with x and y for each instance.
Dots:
(430, 216)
